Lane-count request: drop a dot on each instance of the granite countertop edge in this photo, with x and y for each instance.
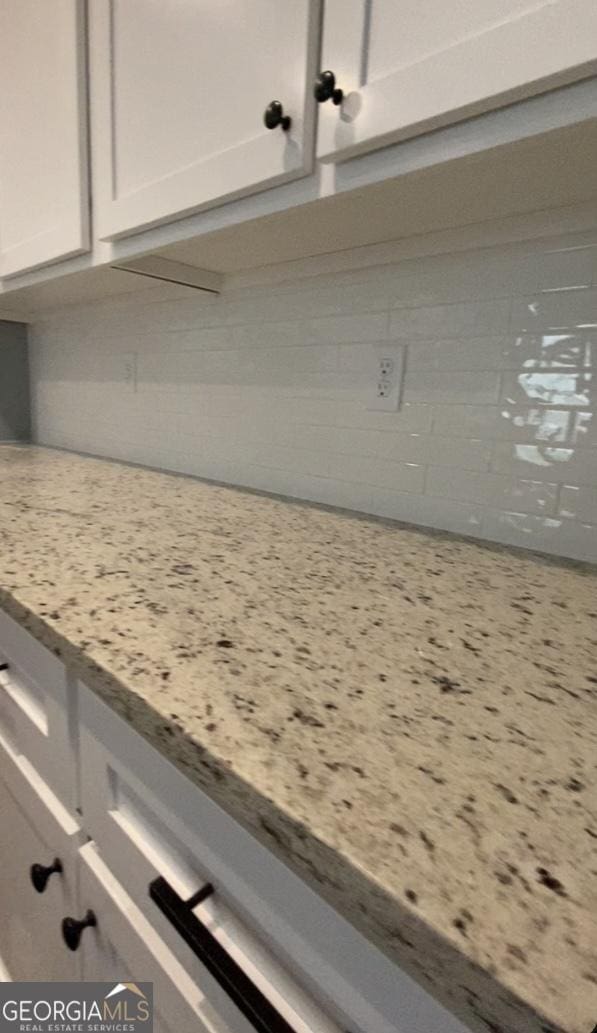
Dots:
(385, 921)
(406, 718)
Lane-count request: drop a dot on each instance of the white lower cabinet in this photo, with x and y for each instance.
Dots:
(161, 836)
(161, 885)
(164, 840)
(124, 947)
(36, 831)
(36, 708)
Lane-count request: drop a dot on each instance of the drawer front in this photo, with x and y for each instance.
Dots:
(35, 707)
(149, 821)
(123, 947)
(41, 832)
(141, 842)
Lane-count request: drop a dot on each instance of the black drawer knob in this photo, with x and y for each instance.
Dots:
(72, 929)
(40, 873)
(4, 667)
(274, 116)
(325, 89)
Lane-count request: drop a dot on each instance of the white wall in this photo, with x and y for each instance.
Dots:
(266, 386)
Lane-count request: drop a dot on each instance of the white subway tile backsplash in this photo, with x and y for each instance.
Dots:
(459, 517)
(568, 387)
(205, 337)
(493, 490)
(383, 473)
(470, 421)
(462, 453)
(452, 388)
(578, 503)
(548, 534)
(568, 310)
(496, 435)
(440, 279)
(541, 461)
(457, 320)
(346, 328)
(474, 353)
(547, 426)
(562, 268)
(275, 335)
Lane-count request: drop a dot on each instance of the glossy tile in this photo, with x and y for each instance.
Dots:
(493, 490)
(453, 388)
(499, 379)
(579, 503)
(545, 461)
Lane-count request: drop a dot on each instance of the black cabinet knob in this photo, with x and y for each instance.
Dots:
(72, 929)
(4, 667)
(40, 873)
(274, 116)
(325, 89)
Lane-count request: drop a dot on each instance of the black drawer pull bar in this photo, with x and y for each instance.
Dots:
(247, 997)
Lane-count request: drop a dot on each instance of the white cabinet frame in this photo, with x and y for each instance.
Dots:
(261, 159)
(33, 151)
(505, 63)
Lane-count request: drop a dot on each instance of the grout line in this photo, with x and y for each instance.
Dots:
(558, 499)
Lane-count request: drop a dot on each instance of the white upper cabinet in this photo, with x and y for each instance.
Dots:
(407, 66)
(44, 203)
(179, 92)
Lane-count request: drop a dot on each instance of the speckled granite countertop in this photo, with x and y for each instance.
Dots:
(409, 720)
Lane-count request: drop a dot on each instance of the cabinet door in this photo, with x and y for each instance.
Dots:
(31, 945)
(43, 135)
(406, 67)
(179, 91)
(124, 948)
(35, 704)
(147, 820)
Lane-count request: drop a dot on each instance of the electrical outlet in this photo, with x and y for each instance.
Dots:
(387, 364)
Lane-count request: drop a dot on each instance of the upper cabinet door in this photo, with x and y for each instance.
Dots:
(44, 202)
(407, 66)
(179, 89)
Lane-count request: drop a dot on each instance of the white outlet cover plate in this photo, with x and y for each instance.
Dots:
(384, 389)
